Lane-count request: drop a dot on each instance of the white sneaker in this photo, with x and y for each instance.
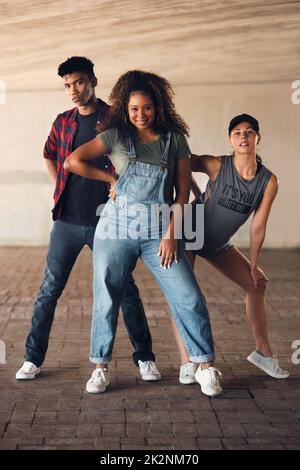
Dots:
(28, 371)
(98, 382)
(149, 371)
(187, 373)
(209, 380)
(268, 364)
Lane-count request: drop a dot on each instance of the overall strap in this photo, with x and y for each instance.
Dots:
(132, 154)
(165, 155)
(131, 149)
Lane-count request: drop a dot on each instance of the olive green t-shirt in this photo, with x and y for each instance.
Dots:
(146, 152)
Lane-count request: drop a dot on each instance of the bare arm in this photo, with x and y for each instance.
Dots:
(258, 227)
(168, 245)
(183, 180)
(78, 161)
(52, 169)
(195, 188)
(206, 164)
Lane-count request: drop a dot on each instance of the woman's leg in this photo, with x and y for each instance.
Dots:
(114, 260)
(187, 304)
(134, 317)
(191, 256)
(236, 267)
(188, 308)
(182, 351)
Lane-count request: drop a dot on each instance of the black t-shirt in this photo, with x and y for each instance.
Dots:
(82, 196)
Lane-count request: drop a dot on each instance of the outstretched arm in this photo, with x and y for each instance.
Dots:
(258, 228)
(78, 161)
(206, 164)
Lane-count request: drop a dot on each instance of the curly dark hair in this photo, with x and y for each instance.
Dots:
(155, 87)
(76, 64)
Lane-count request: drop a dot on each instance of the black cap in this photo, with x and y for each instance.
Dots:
(243, 118)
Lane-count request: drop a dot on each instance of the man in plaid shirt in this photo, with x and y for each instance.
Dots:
(76, 200)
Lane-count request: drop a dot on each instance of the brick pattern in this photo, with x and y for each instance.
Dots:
(55, 412)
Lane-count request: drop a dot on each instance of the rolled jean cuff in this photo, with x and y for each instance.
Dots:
(100, 360)
(35, 361)
(204, 358)
(142, 356)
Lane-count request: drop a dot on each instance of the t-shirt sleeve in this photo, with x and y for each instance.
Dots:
(182, 147)
(109, 139)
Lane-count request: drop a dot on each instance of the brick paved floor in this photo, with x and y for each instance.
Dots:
(55, 412)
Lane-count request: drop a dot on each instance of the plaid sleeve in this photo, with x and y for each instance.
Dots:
(50, 148)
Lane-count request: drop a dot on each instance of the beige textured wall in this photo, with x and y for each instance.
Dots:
(25, 120)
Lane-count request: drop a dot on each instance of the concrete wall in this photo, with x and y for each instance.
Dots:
(25, 120)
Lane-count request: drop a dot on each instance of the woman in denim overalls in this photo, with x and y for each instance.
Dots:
(131, 226)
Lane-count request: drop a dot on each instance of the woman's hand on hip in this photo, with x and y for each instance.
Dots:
(112, 192)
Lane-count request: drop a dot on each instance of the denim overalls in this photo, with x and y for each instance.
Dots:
(139, 189)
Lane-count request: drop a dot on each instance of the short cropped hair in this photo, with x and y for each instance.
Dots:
(76, 64)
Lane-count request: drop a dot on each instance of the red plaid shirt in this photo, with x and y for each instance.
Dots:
(59, 146)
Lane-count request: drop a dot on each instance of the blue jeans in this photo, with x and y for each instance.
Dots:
(114, 260)
(66, 242)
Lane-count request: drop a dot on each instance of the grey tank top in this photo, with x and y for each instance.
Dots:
(228, 202)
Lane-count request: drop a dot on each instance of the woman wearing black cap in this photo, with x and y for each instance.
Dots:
(238, 186)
